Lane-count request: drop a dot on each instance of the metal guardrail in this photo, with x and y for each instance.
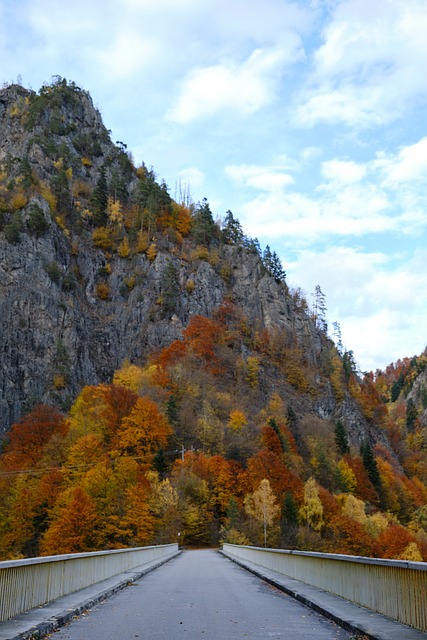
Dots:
(29, 583)
(394, 588)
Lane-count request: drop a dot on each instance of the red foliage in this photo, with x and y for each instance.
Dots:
(349, 537)
(28, 438)
(272, 441)
(202, 336)
(392, 542)
(365, 490)
(266, 464)
(331, 508)
(171, 354)
(120, 402)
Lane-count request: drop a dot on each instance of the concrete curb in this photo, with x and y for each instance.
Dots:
(39, 622)
(358, 620)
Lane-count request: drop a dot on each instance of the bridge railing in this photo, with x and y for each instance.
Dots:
(29, 583)
(394, 588)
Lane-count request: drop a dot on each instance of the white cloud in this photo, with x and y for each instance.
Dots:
(128, 54)
(370, 66)
(408, 165)
(241, 88)
(263, 178)
(350, 199)
(343, 171)
(303, 219)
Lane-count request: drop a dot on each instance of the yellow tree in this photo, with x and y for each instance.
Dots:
(312, 509)
(237, 420)
(261, 505)
(138, 515)
(164, 502)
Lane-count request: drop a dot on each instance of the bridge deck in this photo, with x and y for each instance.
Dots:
(203, 595)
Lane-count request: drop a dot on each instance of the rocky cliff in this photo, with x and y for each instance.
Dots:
(73, 308)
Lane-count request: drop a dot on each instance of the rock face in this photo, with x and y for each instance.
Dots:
(53, 337)
(57, 333)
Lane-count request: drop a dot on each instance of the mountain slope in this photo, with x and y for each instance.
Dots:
(157, 369)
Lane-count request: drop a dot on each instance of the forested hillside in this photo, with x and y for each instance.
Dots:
(161, 378)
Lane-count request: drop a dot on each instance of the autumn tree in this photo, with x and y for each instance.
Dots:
(261, 505)
(74, 526)
(28, 438)
(138, 515)
(144, 430)
(311, 511)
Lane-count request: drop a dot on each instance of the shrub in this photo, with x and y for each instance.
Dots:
(18, 201)
(142, 242)
(123, 249)
(54, 272)
(37, 223)
(152, 252)
(47, 194)
(13, 230)
(130, 282)
(103, 291)
(101, 238)
(59, 382)
(190, 286)
(200, 253)
(226, 273)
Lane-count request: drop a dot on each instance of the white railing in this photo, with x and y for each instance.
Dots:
(394, 588)
(29, 583)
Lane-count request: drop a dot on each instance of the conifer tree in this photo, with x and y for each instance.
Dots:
(99, 199)
(203, 226)
(370, 464)
(232, 232)
(341, 438)
(411, 414)
(170, 287)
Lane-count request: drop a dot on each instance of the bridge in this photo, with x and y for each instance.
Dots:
(241, 592)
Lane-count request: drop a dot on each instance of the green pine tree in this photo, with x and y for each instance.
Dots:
(99, 199)
(341, 438)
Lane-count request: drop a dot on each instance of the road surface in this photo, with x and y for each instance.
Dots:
(200, 595)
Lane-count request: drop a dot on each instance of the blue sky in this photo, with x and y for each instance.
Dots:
(307, 119)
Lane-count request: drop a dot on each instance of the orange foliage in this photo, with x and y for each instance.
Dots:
(144, 430)
(349, 536)
(138, 515)
(368, 396)
(74, 529)
(202, 336)
(182, 215)
(279, 444)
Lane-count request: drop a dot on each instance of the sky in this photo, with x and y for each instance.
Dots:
(306, 119)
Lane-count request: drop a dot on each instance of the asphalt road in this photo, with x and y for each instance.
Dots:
(200, 595)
